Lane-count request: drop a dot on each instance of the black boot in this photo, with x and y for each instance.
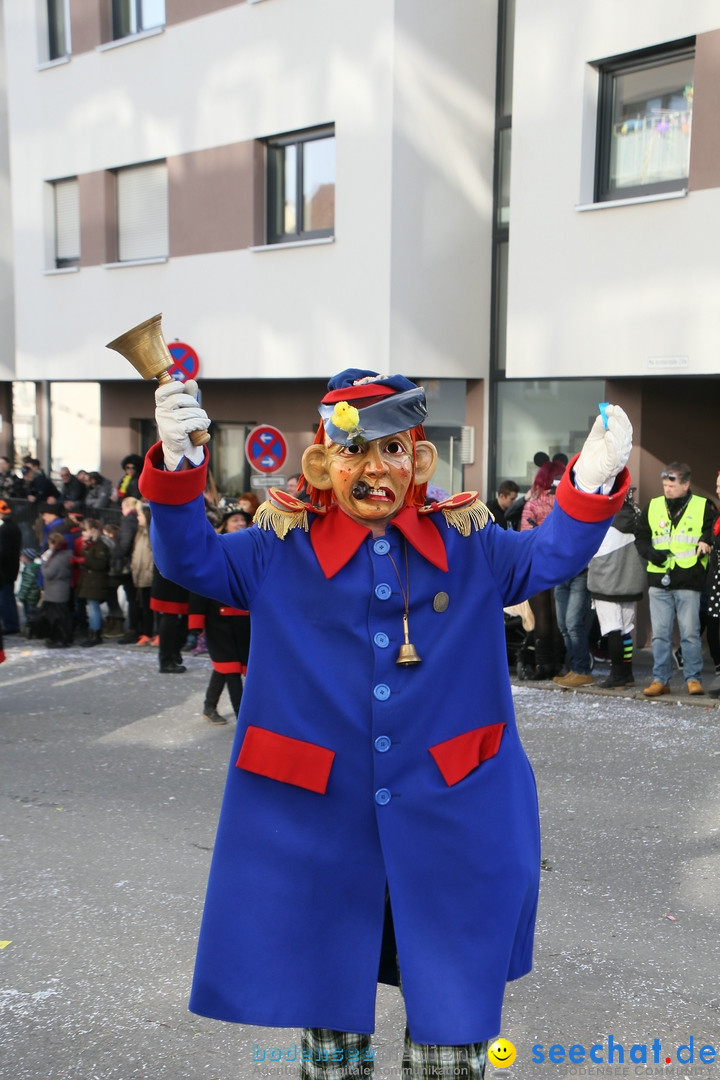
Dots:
(544, 658)
(93, 638)
(620, 672)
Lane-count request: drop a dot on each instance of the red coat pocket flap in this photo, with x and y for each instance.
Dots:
(292, 761)
(457, 757)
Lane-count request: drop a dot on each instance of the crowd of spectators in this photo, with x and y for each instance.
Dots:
(669, 549)
(90, 539)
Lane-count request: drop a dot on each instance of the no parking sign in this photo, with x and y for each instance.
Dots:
(266, 449)
(186, 365)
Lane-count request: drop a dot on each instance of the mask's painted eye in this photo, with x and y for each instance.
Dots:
(394, 446)
(352, 450)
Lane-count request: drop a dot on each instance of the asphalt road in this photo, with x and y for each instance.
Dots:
(110, 784)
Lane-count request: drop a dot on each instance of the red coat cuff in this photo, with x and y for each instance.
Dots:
(591, 508)
(196, 621)
(171, 488)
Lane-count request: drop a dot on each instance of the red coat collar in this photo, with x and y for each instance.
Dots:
(335, 538)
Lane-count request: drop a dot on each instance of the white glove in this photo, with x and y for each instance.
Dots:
(177, 413)
(605, 452)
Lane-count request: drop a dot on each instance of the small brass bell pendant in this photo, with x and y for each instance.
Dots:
(407, 654)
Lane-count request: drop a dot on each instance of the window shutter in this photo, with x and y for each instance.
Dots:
(67, 222)
(142, 212)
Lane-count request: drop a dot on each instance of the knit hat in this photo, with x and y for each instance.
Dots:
(30, 553)
(52, 508)
(229, 508)
(361, 406)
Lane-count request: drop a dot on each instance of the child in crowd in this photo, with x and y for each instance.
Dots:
(53, 615)
(29, 588)
(93, 584)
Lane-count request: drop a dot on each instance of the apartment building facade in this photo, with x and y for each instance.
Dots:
(514, 203)
(298, 187)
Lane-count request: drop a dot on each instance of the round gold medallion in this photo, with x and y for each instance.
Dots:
(441, 601)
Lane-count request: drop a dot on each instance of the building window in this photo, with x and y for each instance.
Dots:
(644, 122)
(301, 185)
(134, 16)
(66, 214)
(57, 25)
(142, 212)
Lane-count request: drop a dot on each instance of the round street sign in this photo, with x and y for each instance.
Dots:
(266, 449)
(186, 364)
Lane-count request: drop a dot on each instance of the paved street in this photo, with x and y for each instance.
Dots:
(110, 784)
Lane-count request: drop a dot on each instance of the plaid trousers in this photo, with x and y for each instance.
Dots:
(341, 1055)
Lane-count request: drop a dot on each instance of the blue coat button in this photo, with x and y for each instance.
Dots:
(382, 796)
(381, 547)
(381, 691)
(382, 744)
(381, 640)
(383, 591)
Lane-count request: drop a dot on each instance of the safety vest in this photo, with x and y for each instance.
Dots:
(680, 540)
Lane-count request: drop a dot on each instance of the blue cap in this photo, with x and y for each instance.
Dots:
(384, 404)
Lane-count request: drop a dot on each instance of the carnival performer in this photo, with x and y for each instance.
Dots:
(380, 815)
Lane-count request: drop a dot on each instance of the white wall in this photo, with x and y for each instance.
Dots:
(608, 291)
(7, 338)
(444, 117)
(405, 284)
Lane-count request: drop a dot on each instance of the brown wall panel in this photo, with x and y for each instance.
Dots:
(474, 475)
(86, 25)
(97, 218)
(6, 412)
(705, 144)
(177, 11)
(211, 199)
(290, 406)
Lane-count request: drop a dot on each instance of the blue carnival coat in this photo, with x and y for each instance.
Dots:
(351, 775)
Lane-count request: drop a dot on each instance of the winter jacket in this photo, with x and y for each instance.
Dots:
(124, 542)
(616, 571)
(166, 597)
(93, 584)
(98, 495)
(141, 560)
(535, 510)
(227, 632)
(56, 573)
(29, 588)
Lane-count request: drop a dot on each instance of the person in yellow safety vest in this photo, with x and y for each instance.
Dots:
(674, 537)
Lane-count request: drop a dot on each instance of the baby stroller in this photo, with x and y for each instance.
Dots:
(520, 640)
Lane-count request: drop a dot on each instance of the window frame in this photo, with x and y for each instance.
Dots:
(57, 15)
(60, 261)
(275, 148)
(608, 72)
(129, 259)
(136, 7)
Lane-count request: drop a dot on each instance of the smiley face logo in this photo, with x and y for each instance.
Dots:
(501, 1053)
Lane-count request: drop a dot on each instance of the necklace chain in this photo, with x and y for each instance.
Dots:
(404, 592)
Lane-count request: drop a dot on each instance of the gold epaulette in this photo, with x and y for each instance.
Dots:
(282, 512)
(464, 511)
